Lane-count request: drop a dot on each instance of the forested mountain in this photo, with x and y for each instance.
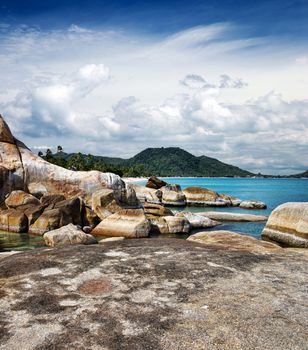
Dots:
(171, 161)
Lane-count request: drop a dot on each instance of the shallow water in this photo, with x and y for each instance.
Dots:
(271, 191)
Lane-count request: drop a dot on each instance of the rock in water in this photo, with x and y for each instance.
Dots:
(252, 205)
(288, 225)
(198, 221)
(225, 216)
(229, 240)
(67, 235)
(129, 223)
(197, 196)
(155, 182)
(13, 220)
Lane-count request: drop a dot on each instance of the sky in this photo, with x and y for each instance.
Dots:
(226, 79)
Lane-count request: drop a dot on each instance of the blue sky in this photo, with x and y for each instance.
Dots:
(228, 79)
(262, 17)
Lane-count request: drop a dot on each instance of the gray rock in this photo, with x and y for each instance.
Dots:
(166, 294)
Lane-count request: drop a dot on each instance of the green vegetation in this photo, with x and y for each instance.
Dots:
(171, 161)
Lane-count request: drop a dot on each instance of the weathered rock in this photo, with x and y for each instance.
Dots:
(172, 224)
(198, 221)
(72, 208)
(154, 294)
(130, 223)
(5, 186)
(31, 172)
(153, 211)
(155, 182)
(33, 213)
(197, 196)
(5, 132)
(146, 194)
(229, 240)
(13, 220)
(172, 197)
(20, 198)
(111, 239)
(89, 217)
(50, 199)
(288, 225)
(252, 205)
(104, 203)
(50, 220)
(67, 235)
(224, 216)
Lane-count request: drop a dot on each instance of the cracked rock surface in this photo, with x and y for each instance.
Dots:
(153, 294)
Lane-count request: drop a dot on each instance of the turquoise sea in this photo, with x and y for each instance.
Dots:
(271, 191)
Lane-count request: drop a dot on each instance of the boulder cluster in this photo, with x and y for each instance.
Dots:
(68, 207)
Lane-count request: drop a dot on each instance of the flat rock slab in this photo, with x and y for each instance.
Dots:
(225, 216)
(153, 294)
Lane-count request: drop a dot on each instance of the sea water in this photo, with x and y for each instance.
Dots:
(271, 191)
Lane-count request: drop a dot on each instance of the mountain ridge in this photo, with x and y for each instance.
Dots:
(168, 161)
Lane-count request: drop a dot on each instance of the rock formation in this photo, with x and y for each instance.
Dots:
(233, 241)
(225, 216)
(288, 225)
(23, 170)
(155, 182)
(155, 294)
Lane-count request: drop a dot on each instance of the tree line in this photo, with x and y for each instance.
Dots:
(81, 162)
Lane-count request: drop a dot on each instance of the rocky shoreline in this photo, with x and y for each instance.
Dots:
(215, 290)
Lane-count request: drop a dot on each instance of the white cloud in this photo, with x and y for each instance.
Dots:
(53, 95)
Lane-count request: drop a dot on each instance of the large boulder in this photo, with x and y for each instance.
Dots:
(104, 203)
(154, 211)
(288, 225)
(172, 225)
(228, 240)
(155, 182)
(50, 199)
(252, 205)
(13, 220)
(198, 221)
(145, 194)
(173, 196)
(35, 175)
(33, 213)
(68, 235)
(197, 196)
(50, 220)
(130, 223)
(225, 216)
(72, 208)
(20, 198)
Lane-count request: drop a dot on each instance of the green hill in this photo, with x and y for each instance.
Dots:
(171, 161)
(304, 174)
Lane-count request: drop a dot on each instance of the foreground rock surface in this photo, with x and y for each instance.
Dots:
(161, 294)
(288, 225)
(224, 216)
(233, 241)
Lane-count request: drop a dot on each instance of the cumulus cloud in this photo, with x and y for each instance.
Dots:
(54, 96)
